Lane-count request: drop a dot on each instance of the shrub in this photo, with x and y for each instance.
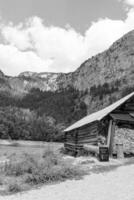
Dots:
(34, 179)
(69, 172)
(51, 167)
(1, 180)
(56, 173)
(14, 187)
(50, 157)
(26, 164)
(63, 150)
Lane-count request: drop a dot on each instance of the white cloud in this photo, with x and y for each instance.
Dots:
(63, 47)
(102, 34)
(13, 61)
(36, 47)
(16, 37)
(128, 2)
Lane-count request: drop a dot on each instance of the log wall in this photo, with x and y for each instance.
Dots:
(75, 139)
(88, 134)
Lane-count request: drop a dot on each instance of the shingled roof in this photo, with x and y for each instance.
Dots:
(97, 116)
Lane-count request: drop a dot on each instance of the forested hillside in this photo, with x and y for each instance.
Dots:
(65, 106)
(40, 115)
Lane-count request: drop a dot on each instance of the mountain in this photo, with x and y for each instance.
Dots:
(113, 68)
(65, 98)
(114, 64)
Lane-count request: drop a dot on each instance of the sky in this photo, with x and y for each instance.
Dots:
(58, 35)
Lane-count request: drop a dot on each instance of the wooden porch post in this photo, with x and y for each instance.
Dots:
(65, 137)
(76, 142)
(110, 139)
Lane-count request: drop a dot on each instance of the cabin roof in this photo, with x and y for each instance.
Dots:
(122, 117)
(99, 115)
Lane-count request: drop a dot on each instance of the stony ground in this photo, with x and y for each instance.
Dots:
(107, 185)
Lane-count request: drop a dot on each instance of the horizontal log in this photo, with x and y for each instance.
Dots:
(72, 138)
(88, 139)
(83, 131)
(72, 144)
(70, 148)
(129, 108)
(88, 136)
(92, 148)
(73, 148)
(89, 130)
(129, 104)
(88, 126)
(79, 137)
(70, 141)
(89, 142)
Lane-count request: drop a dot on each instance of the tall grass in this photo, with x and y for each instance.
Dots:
(30, 170)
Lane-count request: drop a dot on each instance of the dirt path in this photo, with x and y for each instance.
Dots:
(117, 184)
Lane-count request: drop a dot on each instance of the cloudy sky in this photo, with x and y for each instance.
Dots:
(58, 35)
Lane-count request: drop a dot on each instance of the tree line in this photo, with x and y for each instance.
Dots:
(40, 115)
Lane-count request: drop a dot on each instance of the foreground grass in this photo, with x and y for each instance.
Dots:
(29, 171)
(31, 167)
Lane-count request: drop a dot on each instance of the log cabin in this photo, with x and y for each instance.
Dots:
(90, 130)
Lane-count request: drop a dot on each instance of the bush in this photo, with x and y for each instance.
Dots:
(1, 180)
(51, 167)
(56, 173)
(14, 187)
(69, 172)
(26, 164)
(51, 158)
(63, 150)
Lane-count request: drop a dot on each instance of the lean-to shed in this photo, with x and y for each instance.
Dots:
(100, 125)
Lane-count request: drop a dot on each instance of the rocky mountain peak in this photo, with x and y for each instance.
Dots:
(28, 74)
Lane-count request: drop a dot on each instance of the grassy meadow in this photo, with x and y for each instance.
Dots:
(25, 165)
(8, 148)
(31, 164)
